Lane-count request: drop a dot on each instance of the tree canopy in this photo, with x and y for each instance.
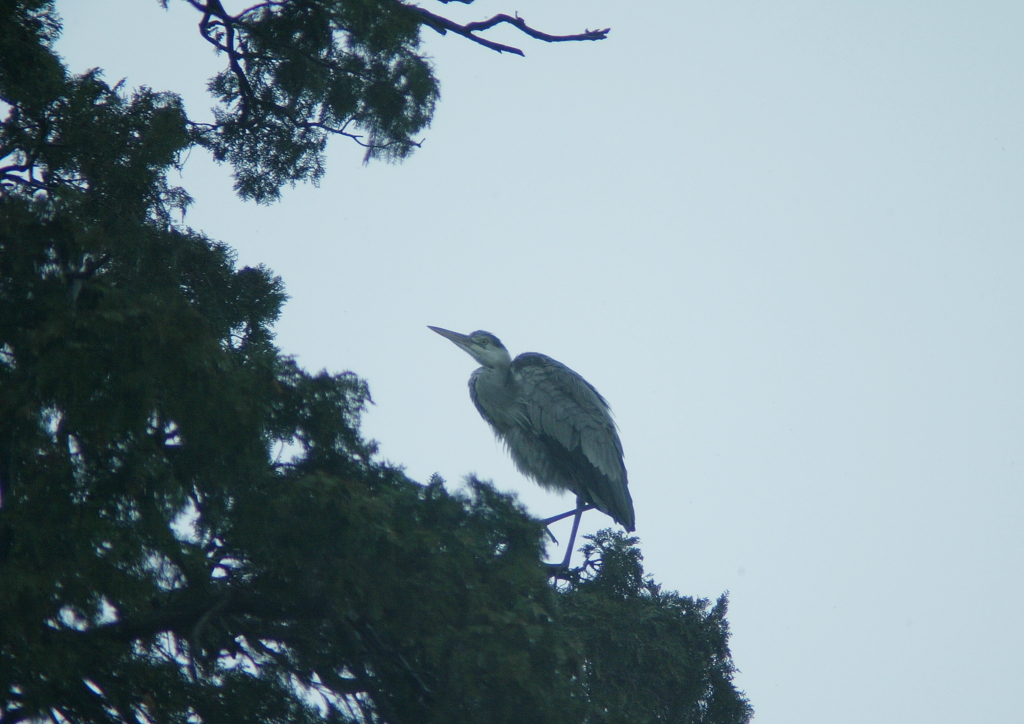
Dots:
(160, 561)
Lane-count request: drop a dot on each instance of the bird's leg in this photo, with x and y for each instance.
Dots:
(572, 536)
(562, 516)
(581, 507)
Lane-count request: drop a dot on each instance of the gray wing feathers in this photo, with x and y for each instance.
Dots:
(558, 403)
(561, 404)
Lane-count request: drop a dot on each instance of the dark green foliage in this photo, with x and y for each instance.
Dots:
(300, 71)
(193, 530)
(667, 655)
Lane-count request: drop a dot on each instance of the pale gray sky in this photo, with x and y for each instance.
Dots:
(784, 239)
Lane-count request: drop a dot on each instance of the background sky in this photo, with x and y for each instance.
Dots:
(784, 239)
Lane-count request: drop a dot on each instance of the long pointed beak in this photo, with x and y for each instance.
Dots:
(461, 340)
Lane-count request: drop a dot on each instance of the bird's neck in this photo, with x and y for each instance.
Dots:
(494, 394)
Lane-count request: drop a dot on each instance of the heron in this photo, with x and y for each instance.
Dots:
(557, 428)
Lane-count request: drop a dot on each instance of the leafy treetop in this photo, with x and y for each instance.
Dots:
(301, 71)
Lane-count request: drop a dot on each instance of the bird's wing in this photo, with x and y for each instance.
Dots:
(558, 403)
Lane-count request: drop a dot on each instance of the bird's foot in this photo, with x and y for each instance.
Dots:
(557, 570)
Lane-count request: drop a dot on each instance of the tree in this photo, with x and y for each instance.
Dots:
(159, 562)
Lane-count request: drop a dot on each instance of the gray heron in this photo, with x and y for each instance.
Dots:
(556, 426)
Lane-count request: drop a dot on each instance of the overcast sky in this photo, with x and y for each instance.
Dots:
(784, 239)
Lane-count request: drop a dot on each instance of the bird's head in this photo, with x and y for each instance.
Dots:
(483, 346)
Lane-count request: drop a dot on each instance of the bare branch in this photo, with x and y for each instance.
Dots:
(214, 15)
(10, 179)
(179, 617)
(443, 25)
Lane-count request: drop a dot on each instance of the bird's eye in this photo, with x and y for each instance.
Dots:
(484, 341)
